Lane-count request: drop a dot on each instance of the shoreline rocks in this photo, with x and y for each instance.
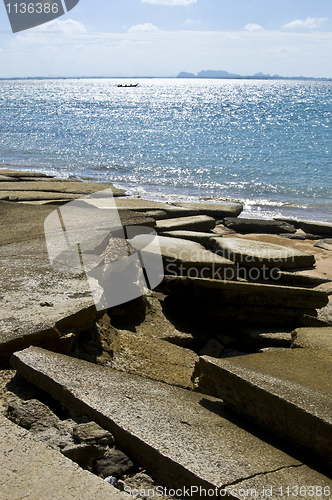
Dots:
(259, 254)
(140, 356)
(258, 226)
(265, 389)
(182, 439)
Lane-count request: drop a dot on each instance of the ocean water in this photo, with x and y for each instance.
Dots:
(266, 144)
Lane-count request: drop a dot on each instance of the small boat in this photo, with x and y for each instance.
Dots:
(128, 85)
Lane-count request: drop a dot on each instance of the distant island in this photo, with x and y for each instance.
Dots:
(221, 74)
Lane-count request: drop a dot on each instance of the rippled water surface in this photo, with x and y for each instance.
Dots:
(265, 143)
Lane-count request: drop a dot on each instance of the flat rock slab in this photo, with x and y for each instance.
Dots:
(184, 257)
(230, 292)
(57, 186)
(300, 278)
(197, 236)
(251, 253)
(216, 210)
(30, 196)
(32, 470)
(324, 244)
(195, 223)
(242, 303)
(258, 226)
(39, 305)
(183, 438)
(140, 205)
(319, 228)
(313, 338)
(14, 174)
(288, 392)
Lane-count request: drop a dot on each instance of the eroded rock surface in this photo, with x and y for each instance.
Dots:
(286, 391)
(145, 416)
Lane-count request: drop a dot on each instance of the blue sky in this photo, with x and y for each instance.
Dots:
(165, 37)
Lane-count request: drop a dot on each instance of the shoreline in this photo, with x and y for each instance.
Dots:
(252, 208)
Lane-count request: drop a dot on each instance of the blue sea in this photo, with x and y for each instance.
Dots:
(266, 144)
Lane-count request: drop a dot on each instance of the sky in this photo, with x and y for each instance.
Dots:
(165, 37)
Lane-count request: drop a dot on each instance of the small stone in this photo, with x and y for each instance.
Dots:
(32, 414)
(116, 464)
(92, 433)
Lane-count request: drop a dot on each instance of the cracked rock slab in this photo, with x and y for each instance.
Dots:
(286, 391)
(194, 223)
(251, 253)
(185, 438)
(184, 257)
(244, 303)
(216, 210)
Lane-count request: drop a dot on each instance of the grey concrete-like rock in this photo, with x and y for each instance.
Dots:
(286, 391)
(319, 228)
(165, 429)
(197, 236)
(258, 226)
(313, 338)
(31, 470)
(195, 223)
(216, 210)
(184, 257)
(250, 253)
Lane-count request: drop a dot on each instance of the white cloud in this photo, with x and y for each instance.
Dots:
(253, 27)
(67, 27)
(191, 21)
(163, 53)
(169, 2)
(143, 28)
(310, 22)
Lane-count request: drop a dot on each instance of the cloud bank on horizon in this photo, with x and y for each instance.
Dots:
(166, 37)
